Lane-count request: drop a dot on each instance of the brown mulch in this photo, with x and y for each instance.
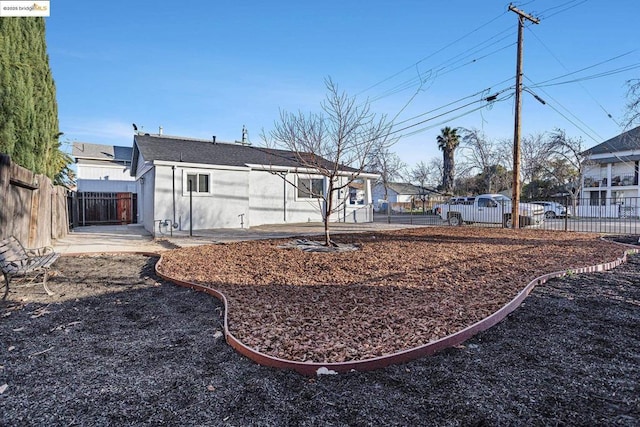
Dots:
(118, 346)
(400, 290)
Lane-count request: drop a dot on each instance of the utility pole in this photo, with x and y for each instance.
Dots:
(515, 199)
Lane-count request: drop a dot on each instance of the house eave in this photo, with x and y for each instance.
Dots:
(293, 169)
(198, 165)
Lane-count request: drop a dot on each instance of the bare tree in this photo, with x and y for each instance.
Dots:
(434, 172)
(567, 163)
(421, 173)
(485, 156)
(336, 143)
(388, 165)
(632, 115)
(535, 157)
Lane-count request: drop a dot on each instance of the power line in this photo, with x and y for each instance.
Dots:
(543, 16)
(581, 85)
(441, 69)
(433, 54)
(466, 113)
(432, 73)
(587, 68)
(456, 101)
(593, 76)
(490, 99)
(548, 96)
(597, 141)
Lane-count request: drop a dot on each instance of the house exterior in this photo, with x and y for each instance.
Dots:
(106, 191)
(199, 184)
(402, 196)
(103, 168)
(610, 179)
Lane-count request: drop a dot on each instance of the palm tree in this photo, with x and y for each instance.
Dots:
(448, 141)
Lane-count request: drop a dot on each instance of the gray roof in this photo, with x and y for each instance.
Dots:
(410, 189)
(626, 141)
(85, 150)
(617, 159)
(177, 149)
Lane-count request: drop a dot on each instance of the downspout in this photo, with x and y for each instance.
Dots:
(173, 194)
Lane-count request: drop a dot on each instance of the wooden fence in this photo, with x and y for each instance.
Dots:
(31, 208)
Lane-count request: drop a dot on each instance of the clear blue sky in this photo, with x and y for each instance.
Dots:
(207, 68)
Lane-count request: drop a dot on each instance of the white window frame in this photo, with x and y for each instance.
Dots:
(198, 174)
(310, 179)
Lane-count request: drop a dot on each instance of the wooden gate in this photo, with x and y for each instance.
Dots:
(104, 208)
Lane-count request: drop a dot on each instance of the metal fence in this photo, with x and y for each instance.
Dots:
(610, 215)
(103, 208)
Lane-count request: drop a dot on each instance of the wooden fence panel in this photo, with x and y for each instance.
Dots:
(31, 208)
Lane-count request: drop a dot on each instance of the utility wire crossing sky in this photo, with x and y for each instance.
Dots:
(211, 68)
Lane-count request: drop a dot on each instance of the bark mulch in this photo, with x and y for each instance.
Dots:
(118, 346)
(400, 290)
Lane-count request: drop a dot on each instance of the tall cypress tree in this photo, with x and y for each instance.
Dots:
(28, 109)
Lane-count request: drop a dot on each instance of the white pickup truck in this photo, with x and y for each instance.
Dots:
(489, 209)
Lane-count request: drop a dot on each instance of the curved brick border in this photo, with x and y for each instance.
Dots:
(311, 369)
(144, 253)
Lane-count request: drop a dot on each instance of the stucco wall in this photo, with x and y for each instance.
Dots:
(236, 197)
(106, 172)
(219, 208)
(108, 186)
(270, 205)
(146, 200)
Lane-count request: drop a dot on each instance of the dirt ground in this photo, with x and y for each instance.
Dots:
(118, 346)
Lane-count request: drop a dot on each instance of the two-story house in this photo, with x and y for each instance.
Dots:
(610, 179)
(106, 191)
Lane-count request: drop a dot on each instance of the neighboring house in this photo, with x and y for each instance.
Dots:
(401, 195)
(106, 191)
(610, 178)
(198, 184)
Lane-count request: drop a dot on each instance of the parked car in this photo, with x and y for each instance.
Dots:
(489, 209)
(552, 209)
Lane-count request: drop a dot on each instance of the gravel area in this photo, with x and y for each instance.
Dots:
(118, 346)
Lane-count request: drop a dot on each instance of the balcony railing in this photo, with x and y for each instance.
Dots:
(616, 181)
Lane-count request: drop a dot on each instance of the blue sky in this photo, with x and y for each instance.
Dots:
(207, 68)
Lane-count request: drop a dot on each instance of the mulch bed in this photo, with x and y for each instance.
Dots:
(116, 346)
(400, 290)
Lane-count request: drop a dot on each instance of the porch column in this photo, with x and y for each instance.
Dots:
(609, 182)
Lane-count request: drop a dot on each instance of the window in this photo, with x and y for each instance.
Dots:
(310, 188)
(199, 182)
(597, 198)
(486, 203)
(356, 192)
(617, 197)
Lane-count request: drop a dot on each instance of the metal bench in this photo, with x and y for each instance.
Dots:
(18, 261)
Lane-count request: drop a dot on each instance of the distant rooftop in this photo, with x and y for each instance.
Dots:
(88, 151)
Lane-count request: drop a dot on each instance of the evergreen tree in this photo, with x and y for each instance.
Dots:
(448, 141)
(28, 109)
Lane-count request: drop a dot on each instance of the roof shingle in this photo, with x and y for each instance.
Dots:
(176, 149)
(85, 150)
(626, 141)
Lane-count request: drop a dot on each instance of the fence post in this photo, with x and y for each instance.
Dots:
(566, 213)
(191, 209)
